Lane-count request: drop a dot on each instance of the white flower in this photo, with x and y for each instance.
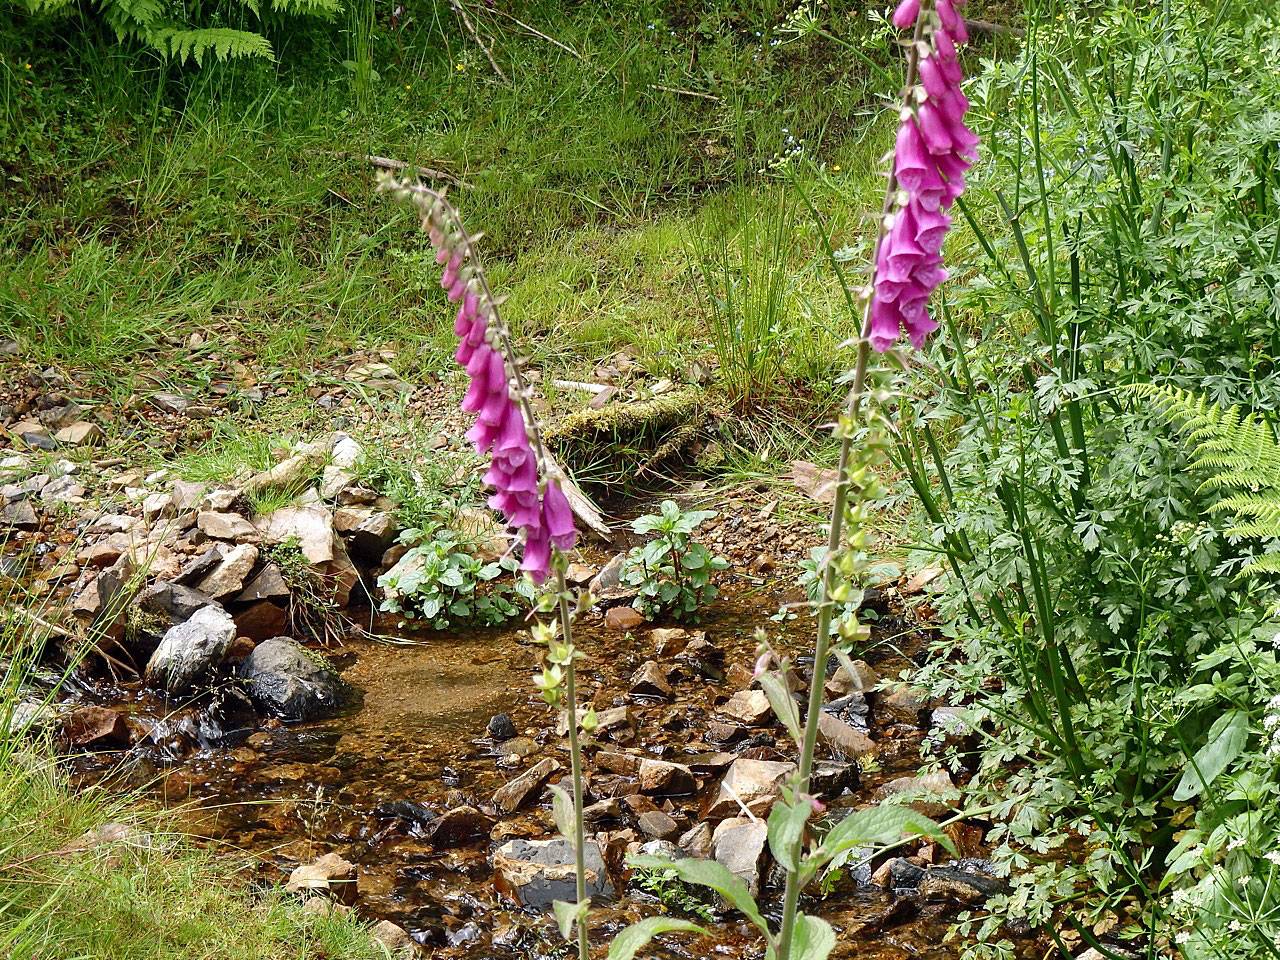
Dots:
(1182, 936)
(1274, 857)
(1236, 844)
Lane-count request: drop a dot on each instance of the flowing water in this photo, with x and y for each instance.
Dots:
(415, 732)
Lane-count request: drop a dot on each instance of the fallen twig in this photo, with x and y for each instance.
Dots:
(428, 173)
(986, 26)
(466, 22)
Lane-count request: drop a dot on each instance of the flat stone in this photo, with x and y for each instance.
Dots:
(623, 618)
(579, 573)
(527, 787)
(80, 434)
(625, 764)
(457, 826)
(657, 825)
(739, 844)
(267, 584)
(93, 726)
(756, 783)
(330, 874)
(171, 403)
(749, 706)
(229, 575)
(538, 872)
(662, 776)
(843, 739)
(158, 506)
(649, 681)
(190, 650)
(226, 526)
(962, 886)
(114, 523)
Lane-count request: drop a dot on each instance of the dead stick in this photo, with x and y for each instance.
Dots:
(466, 22)
(986, 26)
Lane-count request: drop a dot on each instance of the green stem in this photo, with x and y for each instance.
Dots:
(826, 605)
(575, 760)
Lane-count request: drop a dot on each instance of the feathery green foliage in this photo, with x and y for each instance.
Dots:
(192, 32)
(1241, 448)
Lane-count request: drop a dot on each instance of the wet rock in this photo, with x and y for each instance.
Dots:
(226, 526)
(457, 826)
(843, 739)
(657, 825)
(661, 848)
(623, 618)
(725, 733)
(394, 938)
(80, 434)
(903, 704)
(518, 747)
(968, 839)
(527, 787)
(830, 778)
(863, 680)
(267, 584)
(18, 515)
(501, 727)
(852, 708)
(756, 783)
(739, 844)
(697, 842)
(936, 788)
(607, 809)
(63, 490)
(33, 719)
(749, 706)
(959, 884)
(649, 680)
(93, 726)
(538, 872)
(616, 723)
(661, 776)
(330, 874)
(261, 621)
(290, 682)
(626, 764)
(171, 601)
(877, 917)
(229, 575)
(190, 650)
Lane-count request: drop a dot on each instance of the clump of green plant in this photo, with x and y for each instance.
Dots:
(440, 582)
(672, 571)
(312, 609)
(672, 892)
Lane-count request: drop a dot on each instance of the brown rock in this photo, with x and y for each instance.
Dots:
(79, 434)
(525, 788)
(660, 776)
(649, 681)
(626, 764)
(457, 826)
(240, 648)
(623, 618)
(229, 575)
(18, 515)
(755, 783)
(843, 739)
(261, 621)
(657, 825)
(93, 726)
(936, 785)
(330, 874)
(226, 526)
(394, 937)
(903, 704)
(268, 584)
(697, 841)
(749, 706)
(966, 837)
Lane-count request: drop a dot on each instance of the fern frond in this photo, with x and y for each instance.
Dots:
(1241, 451)
(320, 8)
(225, 44)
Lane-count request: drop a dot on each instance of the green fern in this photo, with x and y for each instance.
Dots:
(1241, 450)
(158, 24)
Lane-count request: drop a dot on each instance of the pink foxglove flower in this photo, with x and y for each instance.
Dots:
(540, 511)
(931, 154)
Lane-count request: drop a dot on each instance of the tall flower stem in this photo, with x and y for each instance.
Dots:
(846, 428)
(575, 759)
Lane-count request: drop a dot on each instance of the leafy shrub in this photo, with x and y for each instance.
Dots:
(672, 571)
(1123, 229)
(442, 582)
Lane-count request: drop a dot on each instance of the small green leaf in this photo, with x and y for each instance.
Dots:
(786, 827)
(775, 688)
(883, 824)
(637, 936)
(568, 914)
(562, 812)
(813, 938)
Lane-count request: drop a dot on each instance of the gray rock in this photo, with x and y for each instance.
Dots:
(657, 825)
(697, 841)
(171, 600)
(170, 403)
(538, 872)
(312, 526)
(607, 585)
(267, 584)
(740, 844)
(191, 650)
(290, 682)
(501, 727)
(62, 490)
(198, 568)
(226, 526)
(18, 515)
